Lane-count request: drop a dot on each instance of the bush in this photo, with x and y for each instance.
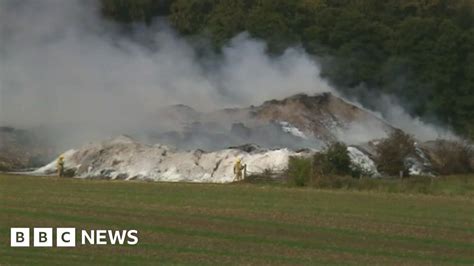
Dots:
(452, 157)
(338, 160)
(392, 151)
(334, 161)
(299, 170)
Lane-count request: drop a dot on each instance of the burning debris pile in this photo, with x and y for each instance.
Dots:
(297, 122)
(324, 117)
(125, 158)
(264, 137)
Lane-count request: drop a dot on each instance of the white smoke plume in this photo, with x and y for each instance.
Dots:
(398, 117)
(61, 64)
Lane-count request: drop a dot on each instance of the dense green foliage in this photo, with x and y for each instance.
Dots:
(333, 161)
(128, 11)
(338, 159)
(421, 51)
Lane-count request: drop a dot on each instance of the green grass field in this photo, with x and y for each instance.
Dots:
(237, 223)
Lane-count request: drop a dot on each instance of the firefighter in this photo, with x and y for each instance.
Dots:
(239, 170)
(60, 166)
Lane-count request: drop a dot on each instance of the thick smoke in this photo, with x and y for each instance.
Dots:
(61, 63)
(63, 66)
(398, 117)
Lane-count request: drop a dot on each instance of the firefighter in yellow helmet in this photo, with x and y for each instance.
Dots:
(239, 170)
(60, 166)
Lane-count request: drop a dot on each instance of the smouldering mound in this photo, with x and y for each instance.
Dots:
(296, 122)
(323, 116)
(124, 158)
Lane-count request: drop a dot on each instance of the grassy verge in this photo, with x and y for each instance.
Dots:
(308, 172)
(237, 224)
(461, 185)
(454, 185)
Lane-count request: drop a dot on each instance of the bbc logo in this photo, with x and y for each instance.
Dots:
(42, 237)
(66, 237)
